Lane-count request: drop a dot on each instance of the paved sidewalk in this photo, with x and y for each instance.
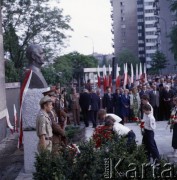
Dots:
(11, 158)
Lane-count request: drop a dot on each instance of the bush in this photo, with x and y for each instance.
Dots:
(94, 164)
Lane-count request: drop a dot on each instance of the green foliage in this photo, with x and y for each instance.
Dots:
(173, 5)
(159, 62)
(32, 21)
(50, 75)
(74, 134)
(126, 57)
(90, 164)
(11, 74)
(67, 67)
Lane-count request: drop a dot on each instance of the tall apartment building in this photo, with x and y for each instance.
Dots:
(124, 26)
(141, 32)
(150, 29)
(167, 20)
(151, 22)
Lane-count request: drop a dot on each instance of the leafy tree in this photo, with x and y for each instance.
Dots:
(159, 61)
(32, 21)
(11, 74)
(67, 67)
(126, 57)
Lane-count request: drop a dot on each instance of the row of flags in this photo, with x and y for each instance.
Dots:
(140, 76)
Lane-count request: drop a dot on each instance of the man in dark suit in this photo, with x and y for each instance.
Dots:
(108, 101)
(167, 101)
(84, 102)
(154, 101)
(94, 107)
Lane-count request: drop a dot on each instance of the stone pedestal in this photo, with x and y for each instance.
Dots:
(31, 107)
(30, 110)
(30, 150)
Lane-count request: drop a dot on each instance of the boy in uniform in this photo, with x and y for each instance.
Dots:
(44, 125)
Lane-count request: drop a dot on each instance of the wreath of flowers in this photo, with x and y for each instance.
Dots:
(101, 134)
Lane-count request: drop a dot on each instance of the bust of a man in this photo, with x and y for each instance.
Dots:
(35, 56)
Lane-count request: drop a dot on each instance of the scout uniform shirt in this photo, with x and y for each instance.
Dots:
(44, 127)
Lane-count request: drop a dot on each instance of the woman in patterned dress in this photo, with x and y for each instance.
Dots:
(135, 102)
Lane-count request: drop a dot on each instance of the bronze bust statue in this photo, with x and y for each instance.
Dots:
(35, 55)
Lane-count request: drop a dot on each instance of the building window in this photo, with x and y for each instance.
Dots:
(148, 3)
(149, 11)
(151, 40)
(150, 18)
(139, 27)
(151, 47)
(121, 3)
(139, 34)
(141, 48)
(149, 25)
(150, 33)
(140, 20)
(122, 18)
(123, 26)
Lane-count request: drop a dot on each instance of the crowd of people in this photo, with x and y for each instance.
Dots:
(147, 101)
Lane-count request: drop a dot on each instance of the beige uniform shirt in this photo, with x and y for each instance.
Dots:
(44, 127)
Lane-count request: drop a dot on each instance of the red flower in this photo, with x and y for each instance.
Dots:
(135, 119)
(142, 125)
(101, 134)
(172, 117)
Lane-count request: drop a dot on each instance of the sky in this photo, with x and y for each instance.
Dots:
(89, 18)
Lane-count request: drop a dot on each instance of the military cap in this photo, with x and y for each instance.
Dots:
(45, 99)
(50, 93)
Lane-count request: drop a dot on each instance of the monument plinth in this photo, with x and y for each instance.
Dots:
(30, 105)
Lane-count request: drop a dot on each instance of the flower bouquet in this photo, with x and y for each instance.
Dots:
(101, 134)
(136, 119)
(141, 124)
(171, 121)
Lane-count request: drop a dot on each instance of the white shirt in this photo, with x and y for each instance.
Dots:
(119, 128)
(152, 111)
(115, 117)
(149, 122)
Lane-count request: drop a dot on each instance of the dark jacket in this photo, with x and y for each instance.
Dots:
(108, 101)
(84, 100)
(94, 102)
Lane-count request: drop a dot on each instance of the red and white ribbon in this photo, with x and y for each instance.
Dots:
(23, 91)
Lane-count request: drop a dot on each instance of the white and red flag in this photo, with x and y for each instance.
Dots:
(110, 77)
(117, 77)
(8, 122)
(145, 73)
(23, 91)
(137, 75)
(104, 78)
(98, 77)
(132, 74)
(15, 120)
(125, 76)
